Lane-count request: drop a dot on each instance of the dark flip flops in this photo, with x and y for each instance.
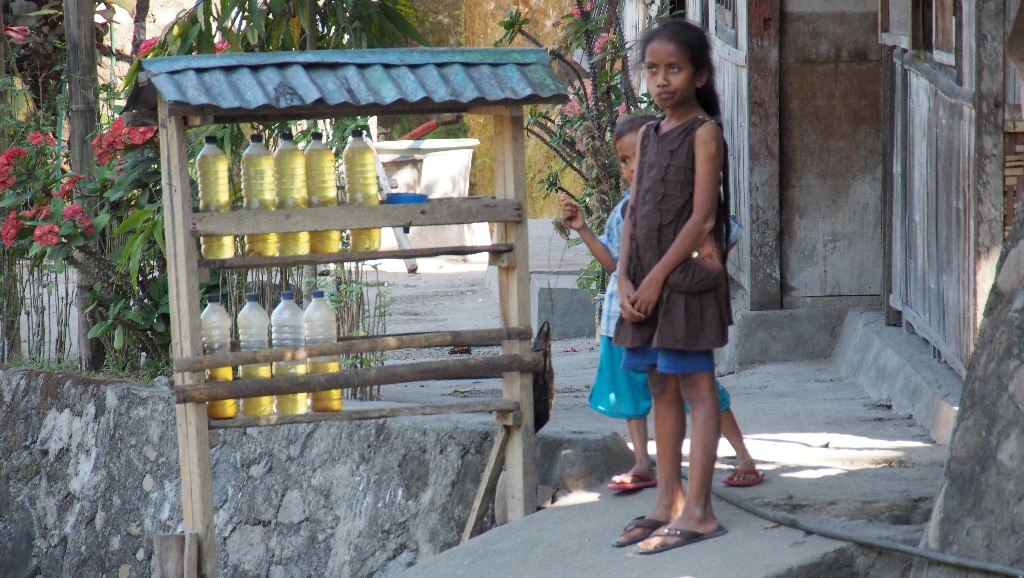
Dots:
(685, 538)
(641, 522)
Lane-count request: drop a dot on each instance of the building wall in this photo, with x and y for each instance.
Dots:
(831, 135)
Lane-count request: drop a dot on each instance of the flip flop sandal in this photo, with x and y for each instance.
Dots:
(734, 477)
(686, 537)
(641, 522)
(640, 481)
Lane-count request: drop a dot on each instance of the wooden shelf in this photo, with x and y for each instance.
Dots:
(472, 368)
(455, 211)
(380, 412)
(350, 257)
(354, 345)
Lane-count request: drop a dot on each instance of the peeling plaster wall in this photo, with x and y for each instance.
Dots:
(831, 134)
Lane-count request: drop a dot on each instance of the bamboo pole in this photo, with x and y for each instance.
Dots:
(475, 368)
(408, 410)
(354, 345)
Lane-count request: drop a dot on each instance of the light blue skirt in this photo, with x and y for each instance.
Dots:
(617, 392)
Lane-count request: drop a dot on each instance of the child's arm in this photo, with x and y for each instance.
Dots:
(625, 285)
(572, 216)
(709, 155)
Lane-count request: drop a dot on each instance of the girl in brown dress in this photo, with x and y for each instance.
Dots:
(672, 282)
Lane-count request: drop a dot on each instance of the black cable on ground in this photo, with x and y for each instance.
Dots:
(792, 521)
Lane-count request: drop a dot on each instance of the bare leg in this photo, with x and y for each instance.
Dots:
(697, 514)
(744, 461)
(731, 432)
(642, 469)
(669, 427)
(638, 435)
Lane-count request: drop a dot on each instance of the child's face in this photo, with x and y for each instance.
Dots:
(671, 78)
(625, 152)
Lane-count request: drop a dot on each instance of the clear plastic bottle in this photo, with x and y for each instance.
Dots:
(361, 186)
(321, 326)
(290, 178)
(259, 193)
(322, 188)
(216, 328)
(254, 334)
(287, 330)
(214, 195)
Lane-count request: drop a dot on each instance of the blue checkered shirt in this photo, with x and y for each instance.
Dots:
(612, 239)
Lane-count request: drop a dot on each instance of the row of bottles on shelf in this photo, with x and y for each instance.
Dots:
(286, 326)
(289, 178)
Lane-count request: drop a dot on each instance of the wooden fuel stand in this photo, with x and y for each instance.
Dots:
(179, 92)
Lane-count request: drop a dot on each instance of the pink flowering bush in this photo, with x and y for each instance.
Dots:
(44, 218)
(594, 62)
(41, 221)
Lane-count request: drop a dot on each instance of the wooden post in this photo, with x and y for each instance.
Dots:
(765, 184)
(892, 316)
(514, 302)
(83, 93)
(183, 273)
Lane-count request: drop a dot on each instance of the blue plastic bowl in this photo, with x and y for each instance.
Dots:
(405, 198)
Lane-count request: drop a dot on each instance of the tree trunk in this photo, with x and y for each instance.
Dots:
(83, 91)
(139, 23)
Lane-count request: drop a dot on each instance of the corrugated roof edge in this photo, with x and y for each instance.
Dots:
(369, 56)
(479, 77)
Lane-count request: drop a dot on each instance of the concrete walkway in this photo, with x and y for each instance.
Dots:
(836, 456)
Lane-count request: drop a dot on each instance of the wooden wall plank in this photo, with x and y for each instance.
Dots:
(514, 302)
(193, 435)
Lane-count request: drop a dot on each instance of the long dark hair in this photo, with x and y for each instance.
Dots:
(693, 41)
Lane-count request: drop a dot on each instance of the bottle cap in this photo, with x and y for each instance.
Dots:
(287, 295)
(210, 139)
(318, 293)
(357, 133)
(317, 135)
(286, 136)
(213, 298)
(256, 138)
(252, 297)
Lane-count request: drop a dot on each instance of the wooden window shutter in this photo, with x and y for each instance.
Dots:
(898, 23)
(944, 31)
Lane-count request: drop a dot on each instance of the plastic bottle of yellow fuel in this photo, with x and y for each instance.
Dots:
(321, 326)
(216, 328)
(287, 331)
(214, 195)
(259, 193)
(361, 186)
(290, 176)
(254, 334)
(322, 187)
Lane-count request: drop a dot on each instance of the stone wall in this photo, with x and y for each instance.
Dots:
(90, 475)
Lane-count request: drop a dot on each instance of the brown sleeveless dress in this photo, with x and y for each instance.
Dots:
(661, 205)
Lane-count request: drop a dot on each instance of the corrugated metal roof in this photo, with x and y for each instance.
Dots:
(279, 85)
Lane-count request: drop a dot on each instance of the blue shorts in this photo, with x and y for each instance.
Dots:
(668, 360)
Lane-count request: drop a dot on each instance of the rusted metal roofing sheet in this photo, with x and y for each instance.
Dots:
(279, 85)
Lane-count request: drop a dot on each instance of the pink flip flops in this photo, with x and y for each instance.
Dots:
(632, 481)
(743, 477)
